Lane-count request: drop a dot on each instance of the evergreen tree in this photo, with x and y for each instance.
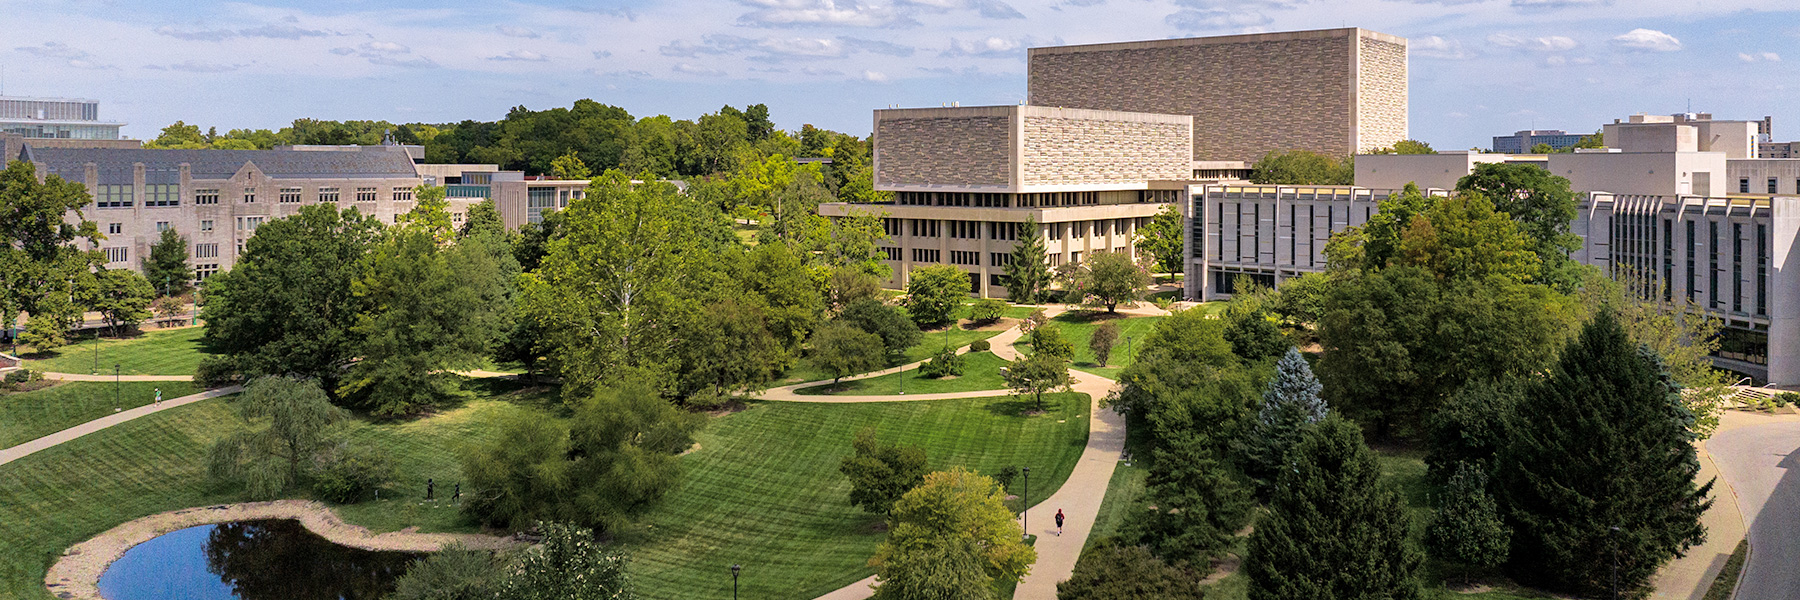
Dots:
(1028, 274)
(167, 268)
(1467, 528)
(1471, 428)
(1604, 472)
(1110, 571)
(1290, 403)
(1199, 507)
(1334, 530)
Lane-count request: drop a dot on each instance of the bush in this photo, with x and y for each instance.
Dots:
(350, 472)
(1163, 302)
(1787, 398)
(987, 310)
(980, 346)
(23, 376)
(217, 372)
(945, 363)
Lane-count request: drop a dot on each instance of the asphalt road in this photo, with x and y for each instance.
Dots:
(1760, 462)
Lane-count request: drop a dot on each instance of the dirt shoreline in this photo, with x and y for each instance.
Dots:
(76, 575)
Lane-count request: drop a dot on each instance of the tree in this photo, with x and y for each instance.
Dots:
(1037, 374)
(778, 277)
(1407, 147)
(1543, 205)
(1604, 470)
(1301, 300)
(1195, 507)
(852, 244)
(122, 297)
(519, 477)
(1109, 279)
(730, 349)
(1163, 239)
(1466, 529)
(483, 219)
(431, 212)
(1289, 405)
(1048, 340)
(987, 310)
(950, 537)
(841, 349)
(288, 306)
(533, 242)
(1182, 352)
(848, 286)
(167, 267)
(934, 293)
(1472, 428)
(1680, 331)
(897, 332)
(1102, 340)
(38, 262)
(266, 460)
(452, 573)
(1028, 271)
(180, 135)
(1462, 237)
(569, 563)
(1377, 243)
(880, 473)
(1113, 571)
(1334, 528)
(1301, 167)
(569, 167)
(1247, 327)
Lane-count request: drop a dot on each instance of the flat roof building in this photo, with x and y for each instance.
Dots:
(1524, 141)
(55, 118)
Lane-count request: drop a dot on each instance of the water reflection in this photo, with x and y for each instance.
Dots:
(251, 560)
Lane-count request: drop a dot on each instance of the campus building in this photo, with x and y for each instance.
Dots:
(55, 118)
(1523, 141)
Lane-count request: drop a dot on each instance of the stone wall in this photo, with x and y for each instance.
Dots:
(1380, 94)
(952, 150)
(1074, 151)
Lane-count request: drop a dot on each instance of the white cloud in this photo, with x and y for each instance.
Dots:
(1432, 46)
(850, 13)
(991, 9)
(697, 70)
(821, 72)
(992, 47)
(385, 48)
(1759, 56)
(875, 76)
(285, 31)
(513, 31)
(1553, 4)
(54, 50)
(1204, 20)
(196, 66)
(202, 35)
(1647, 39)
(1552, 43)
(602, 54)
(520, 55)
(778, 48)
(387, 54)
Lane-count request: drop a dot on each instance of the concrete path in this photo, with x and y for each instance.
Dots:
(26, 449)
(1759, 455)
(110, 378)
(1689, 577)
(1000, 345)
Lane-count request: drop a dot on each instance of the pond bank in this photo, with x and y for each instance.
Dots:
(76, 575)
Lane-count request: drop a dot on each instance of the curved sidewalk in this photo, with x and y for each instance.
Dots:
(111, 378)
(26, 449)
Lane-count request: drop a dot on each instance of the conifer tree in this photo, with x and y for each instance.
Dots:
(1467, 528)
(1028, 275)
(1289, 404)
(1334, 529)
(1199, 507)
(1604, 472)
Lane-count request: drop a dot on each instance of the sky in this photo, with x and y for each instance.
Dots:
(1479, 68)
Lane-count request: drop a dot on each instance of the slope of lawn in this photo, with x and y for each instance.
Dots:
(930, 343)
(165, 352)
(30, 415)
(763, 490)
(981, 371)
(1079, 328)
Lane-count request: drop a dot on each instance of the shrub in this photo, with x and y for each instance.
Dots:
(349, 472)
(1786, 398)
(23, 376)
(987, 310)
(945, 363)
(1163, 302)
(980, 346)
(217, 372)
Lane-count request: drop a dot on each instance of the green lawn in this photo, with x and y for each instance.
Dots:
(763, 490)
(31, 415)
(981, 371)
(929, 345)
(1079, 327)
(1121, 494)
(167, 352)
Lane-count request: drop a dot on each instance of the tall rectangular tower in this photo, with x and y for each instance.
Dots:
(1332, 91)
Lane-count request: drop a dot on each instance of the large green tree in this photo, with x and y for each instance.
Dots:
(1036, 374)
(1163, 239)
(167, 268)
(841, 349)
(1195, 507)
(1028, 271)
(1301, 167)
(934, 294)
(122, 297)
(730, 349)
(1335, 529)
(37, 254)
(1115, 571)
(569, 563)
(880, 473)
(950, 537)
(1109, 279)
(1289, 405)
(267, 459)
(288, 307)
(1601, 469)
(897, 332)
(1544, 206)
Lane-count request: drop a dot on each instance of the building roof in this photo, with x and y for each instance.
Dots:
(116, 165)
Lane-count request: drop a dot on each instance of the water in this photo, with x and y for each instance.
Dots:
(251, 560)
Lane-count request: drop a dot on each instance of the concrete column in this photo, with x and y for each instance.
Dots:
(1784, 292)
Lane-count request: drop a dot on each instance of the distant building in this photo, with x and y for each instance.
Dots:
(1523, 141)
(55, 118)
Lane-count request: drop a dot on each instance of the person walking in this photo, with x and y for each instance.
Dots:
(1059, 520)
(158, 396)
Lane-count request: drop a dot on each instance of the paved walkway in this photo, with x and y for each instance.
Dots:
(111, 378)
(26, 449)
(1757, 455)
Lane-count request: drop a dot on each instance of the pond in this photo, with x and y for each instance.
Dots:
(251, 560)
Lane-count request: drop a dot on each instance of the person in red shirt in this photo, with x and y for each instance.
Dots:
(1059, 520)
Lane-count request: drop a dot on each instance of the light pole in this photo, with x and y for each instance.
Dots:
(1615, 563)
(116, 403)
(734, 576)
(1026, 494)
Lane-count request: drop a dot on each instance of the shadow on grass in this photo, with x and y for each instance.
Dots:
(1087, 315)
(516, 390)
(1021, 407)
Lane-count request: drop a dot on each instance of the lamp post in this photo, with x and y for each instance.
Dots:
(96, 370)
(116, 403)
(734, 576)
(1615, 562)
(1026, 514)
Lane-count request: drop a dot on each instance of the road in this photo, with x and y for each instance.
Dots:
(1759, 461)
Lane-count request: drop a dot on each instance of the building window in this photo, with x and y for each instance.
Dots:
(1003, 231)
(114, 196)
(1772, 185)
(892, 227)
(201, 272)
(118, 254)
(206, 225)
(403, 194)
(1075, 257)
(1668, 256)
(249, 223)
(962, 257)
(999, 259)
(115, 228)
(968, 230)
(997, 280)
(456, 217)
(1743, 185)
(1712, 264)
(329, 194)
(891, 253)
(1737, 267)
(206, 250)
(206, 196)
(365, 194)
(289, 196)
(924, 255)
(162, 194)
(1762, 268)
(162, 226)
(536, 200)
(1690, 260)
(924, 227)
(249, 195)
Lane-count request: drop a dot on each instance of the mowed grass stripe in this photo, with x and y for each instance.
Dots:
(30, 415)
(764, 491)
(167, 352)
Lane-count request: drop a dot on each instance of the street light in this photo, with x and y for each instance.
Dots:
(116, 403)
(1026, 493)
(1615, 565)
(734, 576)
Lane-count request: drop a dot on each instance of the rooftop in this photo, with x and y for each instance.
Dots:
(118, 164)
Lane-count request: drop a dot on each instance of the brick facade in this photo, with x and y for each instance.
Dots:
(1027, 148)
(1380, 94)
(952, 149)
(1071, 151)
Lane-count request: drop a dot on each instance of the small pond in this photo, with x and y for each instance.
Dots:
(251, 560)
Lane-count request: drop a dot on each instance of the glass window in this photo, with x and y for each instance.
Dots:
(290, 195)
(403, 194)
(210, 196)
(115, 228)
(249, 195)
(114, 196)
(536, 200)
(118, 254)
(206, 225)
(162, 226)
(329, 194)
(162, 194)
(365, 194)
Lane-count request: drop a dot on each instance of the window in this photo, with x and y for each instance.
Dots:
(249, 195)
(365, 194)
(1690, 260)
(206, 225)
(924, 227)
(960, 257)
(115, 228)
(201, 272)
(118, 254)
(968, 230)
(206, 250)
(329, 194)
(891, 253)
(999, 259)
(162, 194)
(924, 255)
(562, 199)
(249, 223)
(538, 199)
(290, 196)
(162, 226)
(113, 196)
(1003, 231)
(403, 194)
(892, 227)
(1772, 185)
(1737, 267)
(1668, 256)
(997, 280)
(210, 196)
(1712, 267)
(1075, 257)
(1762, 268)
(456, 217)
(1743, 185)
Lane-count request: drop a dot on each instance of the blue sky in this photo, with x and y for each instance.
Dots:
(1479, 67)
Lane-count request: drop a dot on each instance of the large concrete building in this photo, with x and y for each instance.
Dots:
(1335, 91)
(1523, 141)
(55, 118)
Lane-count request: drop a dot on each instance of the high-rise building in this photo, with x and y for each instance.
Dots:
(55, 118)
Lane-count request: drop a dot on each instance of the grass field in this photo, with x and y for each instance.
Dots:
(981, 371)
(31, 415)
(1079, 327)
(166, 352)
(763, 490)
(929, 345)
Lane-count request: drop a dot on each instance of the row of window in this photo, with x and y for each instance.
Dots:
(160, 195)
(1002, 230)
(1774, 185)
(965, 257)
(992, 200)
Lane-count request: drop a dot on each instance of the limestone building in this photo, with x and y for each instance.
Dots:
(1335, 91)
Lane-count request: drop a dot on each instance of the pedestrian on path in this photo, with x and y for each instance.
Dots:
(1059, 520)
(158, 396)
